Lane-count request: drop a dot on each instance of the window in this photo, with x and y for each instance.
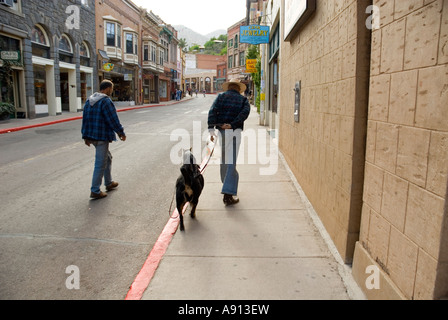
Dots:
(15, 5)
(230, 66)
(153, 52)
(145, 52)
(65, 44)
(113, 34)
(242, 58)
(9, 44)
(40, 91)
(118, 36)
(231, 43)
(40, 42)
(131, 43)
(236, 41)
(110, 34)
(39, 36)
(65, 49)
(161, 55)
(84, 53)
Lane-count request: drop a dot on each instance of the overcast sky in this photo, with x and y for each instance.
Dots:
(202, 16)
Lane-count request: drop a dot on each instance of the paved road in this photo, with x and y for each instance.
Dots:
(48, 222)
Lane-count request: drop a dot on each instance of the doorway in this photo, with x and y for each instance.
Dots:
(65, 92)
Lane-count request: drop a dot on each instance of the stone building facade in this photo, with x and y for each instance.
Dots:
(57, 52)
(368, 138)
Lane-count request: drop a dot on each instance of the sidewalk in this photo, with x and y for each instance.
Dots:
(267, 247)
(12, 125)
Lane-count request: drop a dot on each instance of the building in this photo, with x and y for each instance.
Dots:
(118, 39)
(51, 58)
(152, 52)
(201, 72)
(236, 54)
(357, 94)
(221, 75)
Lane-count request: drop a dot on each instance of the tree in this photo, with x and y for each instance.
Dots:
(254, 53)
(183, 43)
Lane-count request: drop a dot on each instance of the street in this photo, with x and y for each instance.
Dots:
(49, 224)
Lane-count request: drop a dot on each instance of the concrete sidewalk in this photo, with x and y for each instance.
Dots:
(270, 246)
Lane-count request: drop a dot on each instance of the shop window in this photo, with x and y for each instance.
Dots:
(40, 42)
(40, 90)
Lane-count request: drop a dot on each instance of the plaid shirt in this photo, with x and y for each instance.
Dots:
(100, 122)
(230, 107)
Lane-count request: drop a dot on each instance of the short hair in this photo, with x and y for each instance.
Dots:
(106, 84)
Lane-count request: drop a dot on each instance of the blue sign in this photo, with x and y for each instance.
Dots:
(254, 34)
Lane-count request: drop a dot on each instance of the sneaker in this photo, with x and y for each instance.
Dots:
(230, 200)
(100, 195)
(112, 186)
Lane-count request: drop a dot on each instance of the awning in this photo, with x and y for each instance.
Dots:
(103, 54)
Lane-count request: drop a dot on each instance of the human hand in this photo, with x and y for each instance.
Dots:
(87, 142)
(226, 126)
(123, 138)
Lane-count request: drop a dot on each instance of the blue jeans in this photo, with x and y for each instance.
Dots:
(231, 141)
(103, 166)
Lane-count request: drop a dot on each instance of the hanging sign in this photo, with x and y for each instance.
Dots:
(251, 65)
(254, 34)
(108, 67)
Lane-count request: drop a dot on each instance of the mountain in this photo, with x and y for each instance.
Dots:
(194, 37)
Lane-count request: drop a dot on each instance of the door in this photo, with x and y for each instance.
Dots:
(65, 93)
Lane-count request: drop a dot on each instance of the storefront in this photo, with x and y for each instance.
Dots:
(123, 77)
(12, 81)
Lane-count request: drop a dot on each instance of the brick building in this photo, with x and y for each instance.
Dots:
(361, 110)
(52, 56)
(118, 36)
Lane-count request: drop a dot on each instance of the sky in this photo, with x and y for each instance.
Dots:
(202, 16)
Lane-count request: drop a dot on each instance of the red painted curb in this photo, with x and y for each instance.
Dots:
(152, 263)
(149, 268)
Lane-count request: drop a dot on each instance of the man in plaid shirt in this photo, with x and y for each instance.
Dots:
(100, 124)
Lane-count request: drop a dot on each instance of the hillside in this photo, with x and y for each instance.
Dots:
(194, 37)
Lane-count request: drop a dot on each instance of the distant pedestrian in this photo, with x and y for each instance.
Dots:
(100, 124)
(228, 114)
(196, 91)
(204, 92)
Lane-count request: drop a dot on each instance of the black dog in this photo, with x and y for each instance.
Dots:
(189, 186)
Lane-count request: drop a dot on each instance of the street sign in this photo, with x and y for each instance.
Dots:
(254, 34)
